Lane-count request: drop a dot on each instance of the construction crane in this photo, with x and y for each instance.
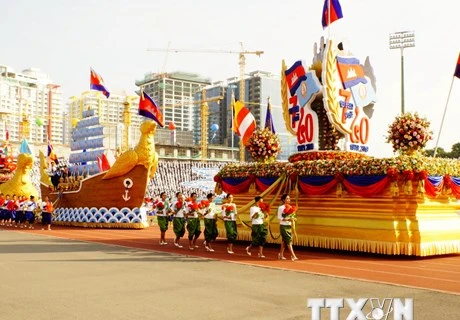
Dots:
(242, 63)
(204, 122)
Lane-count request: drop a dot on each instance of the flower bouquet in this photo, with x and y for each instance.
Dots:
(264, 145)
(229, 209)
(409, 133)
(265, 208)
(194, 207)
(289, 212)
(204, 205)
(160, 205)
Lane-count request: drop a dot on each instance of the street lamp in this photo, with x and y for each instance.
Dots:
(401, 40)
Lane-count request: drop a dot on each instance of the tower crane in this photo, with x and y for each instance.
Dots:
(204, 122)
(242, 63)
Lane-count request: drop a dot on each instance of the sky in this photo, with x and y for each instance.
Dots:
(65, 38)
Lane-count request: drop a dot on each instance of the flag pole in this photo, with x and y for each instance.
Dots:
(328, 19)
(233, 121)
(443, 116)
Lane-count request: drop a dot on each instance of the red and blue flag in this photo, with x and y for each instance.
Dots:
(335, 12)
(294, 76)
(97, 83)
(149, 109)
(457, 68)
(51, 155)
(351, 71)
(269, 119)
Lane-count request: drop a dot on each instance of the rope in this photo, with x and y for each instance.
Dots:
(56, 202)
(263, 194)
(273, 217)
(294, 226)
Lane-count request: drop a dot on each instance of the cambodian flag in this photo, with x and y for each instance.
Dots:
(148, 108)
(457, 69)
(294, 76)
(351, 71)
(335, 13)
(97, 83)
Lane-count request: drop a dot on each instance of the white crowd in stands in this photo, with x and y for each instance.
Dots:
(171, 177)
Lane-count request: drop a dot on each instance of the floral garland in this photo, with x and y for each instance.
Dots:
(326, 155)
(264, 145)
(365, 166)
(409, 133)
(235, 170)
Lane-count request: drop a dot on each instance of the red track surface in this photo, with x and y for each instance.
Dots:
(440, 273)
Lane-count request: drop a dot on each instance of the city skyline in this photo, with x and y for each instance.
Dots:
(64, 40)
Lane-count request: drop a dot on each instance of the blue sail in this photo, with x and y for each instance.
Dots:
(87, 144)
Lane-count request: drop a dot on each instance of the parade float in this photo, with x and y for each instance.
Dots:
(104, 199)
(346, 199)
(7, 161)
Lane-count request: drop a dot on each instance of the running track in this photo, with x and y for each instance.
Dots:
(439, 273)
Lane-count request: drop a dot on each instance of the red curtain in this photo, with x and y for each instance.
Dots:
(432, 190)
(369, 190)
(317, 190)
(230, 185)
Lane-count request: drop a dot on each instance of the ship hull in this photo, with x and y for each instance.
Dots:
(88, 205)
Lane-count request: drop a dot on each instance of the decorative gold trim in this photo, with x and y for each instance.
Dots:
(333, 108)
(358, 245)
(139, 225)
(284, 99)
